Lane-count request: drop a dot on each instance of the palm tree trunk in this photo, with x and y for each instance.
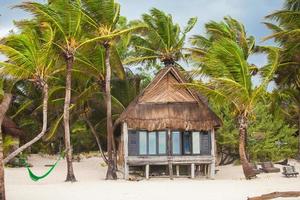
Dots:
(111, 172)
(299, 134)
(70, 173)
(41, 134)
(248, 171)
(3, 108)
(97, 139)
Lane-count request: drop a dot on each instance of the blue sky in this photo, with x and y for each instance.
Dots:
(250, 12)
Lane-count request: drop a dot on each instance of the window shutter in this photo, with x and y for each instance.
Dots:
(205, 143)
(133, 146)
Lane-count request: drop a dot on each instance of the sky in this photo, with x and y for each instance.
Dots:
(250, 12)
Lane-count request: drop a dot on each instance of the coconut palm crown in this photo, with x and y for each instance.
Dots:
(163, 40)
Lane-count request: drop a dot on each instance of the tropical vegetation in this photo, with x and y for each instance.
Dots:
(69, 72)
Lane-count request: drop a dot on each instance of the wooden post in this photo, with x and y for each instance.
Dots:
(177, 170)
(213, 154)
(147, 171)
(125, 145)
(170, 155)
(170, 170)
(193, 170)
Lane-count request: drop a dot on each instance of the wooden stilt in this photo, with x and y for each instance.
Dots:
(177, 170)
(193, 170)
(147, 171)
(125, 146)
(170, 155)
(213, 164)
(126, 172)
(171, 170)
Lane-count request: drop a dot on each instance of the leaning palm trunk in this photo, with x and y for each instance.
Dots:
(3, 108)
(70, 174)
(111, 170)
(43, 131)
(97, 140)
(248, 171)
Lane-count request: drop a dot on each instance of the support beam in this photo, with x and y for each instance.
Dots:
(147, 171)
(177, 170)
(213, 164)
(193, 170)
(170, 155)
(125, 145)
(171, 170)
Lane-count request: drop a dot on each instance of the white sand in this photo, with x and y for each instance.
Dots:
(229, 184)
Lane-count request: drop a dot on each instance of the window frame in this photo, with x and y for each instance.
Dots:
(157, 142)
(190, 137)
(199, 132)
(202, 132)
(180, 143)
(139, 154)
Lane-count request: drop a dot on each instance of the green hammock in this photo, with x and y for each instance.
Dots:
(35, 177)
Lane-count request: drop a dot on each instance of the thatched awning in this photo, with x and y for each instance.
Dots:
(162, 105)
(183, 116)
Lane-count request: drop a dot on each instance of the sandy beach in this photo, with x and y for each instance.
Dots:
(229, 184)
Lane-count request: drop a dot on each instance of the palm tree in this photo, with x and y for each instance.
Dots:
(225, 63)
(229, 28)
(163, 40)
(30, 57)
(6, 99)
(66, 18)
(286, 32)
(102, 17)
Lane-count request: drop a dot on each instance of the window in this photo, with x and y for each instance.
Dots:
(152, 143)
(176, 143)
(187, 143)
(196, 142)
(156, 143)
(162, 142)
(205, 143)
(142, 142)
(133, 146)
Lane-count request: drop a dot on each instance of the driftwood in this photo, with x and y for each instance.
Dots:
(274, 195)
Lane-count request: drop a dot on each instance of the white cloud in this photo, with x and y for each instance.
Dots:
(5, 30)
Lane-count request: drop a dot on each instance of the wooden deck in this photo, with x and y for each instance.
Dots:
(164, 160)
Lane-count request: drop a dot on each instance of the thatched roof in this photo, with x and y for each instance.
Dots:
(164, 105)
(9, 127)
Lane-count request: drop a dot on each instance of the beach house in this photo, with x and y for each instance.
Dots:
(169, 130)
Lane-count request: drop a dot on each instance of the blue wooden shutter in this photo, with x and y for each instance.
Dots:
(205, 143)
(133, 145)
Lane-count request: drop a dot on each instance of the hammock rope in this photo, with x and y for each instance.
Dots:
(37, 178)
